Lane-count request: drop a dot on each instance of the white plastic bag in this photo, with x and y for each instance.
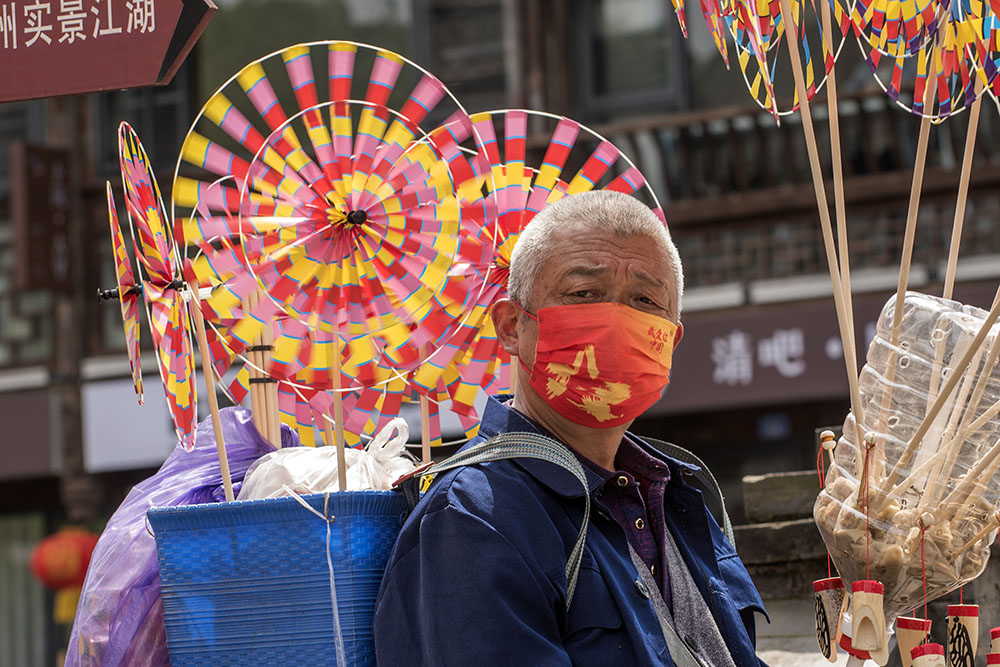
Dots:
(305, 470)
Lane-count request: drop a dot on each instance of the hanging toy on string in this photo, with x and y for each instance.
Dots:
(963, 634)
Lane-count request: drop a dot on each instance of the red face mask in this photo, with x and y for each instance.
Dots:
(601, 364)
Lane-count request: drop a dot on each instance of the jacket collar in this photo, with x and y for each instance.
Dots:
(500, 418)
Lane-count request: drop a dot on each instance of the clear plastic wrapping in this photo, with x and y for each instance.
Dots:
(943, 485)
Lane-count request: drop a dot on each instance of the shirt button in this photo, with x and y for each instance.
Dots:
(622, 480)
(640, 524)
(652, 569)
(642, 588)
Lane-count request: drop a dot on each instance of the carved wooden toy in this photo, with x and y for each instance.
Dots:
(869, 620)
(928, 655)
(963, 634)
(831, 600)
(910, 633)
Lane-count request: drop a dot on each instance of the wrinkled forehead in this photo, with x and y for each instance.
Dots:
(581, 248)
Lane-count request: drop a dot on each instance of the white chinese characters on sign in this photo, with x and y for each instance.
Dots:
(783, 352)
(109, 28)
(35, 25)
(733, 355)
(141, 16)
(8, 25)
(71, 16)
(733, 358)
(67, 22)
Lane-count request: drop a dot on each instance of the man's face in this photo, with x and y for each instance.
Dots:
(594, 267)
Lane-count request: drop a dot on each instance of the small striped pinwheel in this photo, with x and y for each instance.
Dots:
(128, 294)
(758, 30)
(956, 43)
(161, 287)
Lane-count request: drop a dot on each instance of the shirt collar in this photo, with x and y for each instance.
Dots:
(499, 418)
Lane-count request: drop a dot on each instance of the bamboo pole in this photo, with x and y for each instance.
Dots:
(963, 191)
(213, 400)
(840, 205)
(846, 337)
(513, 374)
(338, 416)
(256, 411)
(425, 429)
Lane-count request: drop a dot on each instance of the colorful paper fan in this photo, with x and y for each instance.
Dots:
(758, 30)
(161, 288)
(574, 159)
(958, 40)
(128, 294)
(338, 205)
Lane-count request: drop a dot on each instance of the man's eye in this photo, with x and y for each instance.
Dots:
(582, 294)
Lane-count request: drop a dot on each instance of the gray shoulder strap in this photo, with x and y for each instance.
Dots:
(704, 475)
(530, 445)
(679, 651)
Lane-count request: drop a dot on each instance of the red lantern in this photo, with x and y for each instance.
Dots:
(60, 562)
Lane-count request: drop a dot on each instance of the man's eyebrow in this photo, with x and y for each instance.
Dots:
(649, 278)
(587, 270)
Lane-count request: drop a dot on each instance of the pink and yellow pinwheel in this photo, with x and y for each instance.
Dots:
(315, 183)
(575, 159)
(128, 294)
(161, 286)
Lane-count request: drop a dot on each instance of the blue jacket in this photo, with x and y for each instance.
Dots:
(477, 576)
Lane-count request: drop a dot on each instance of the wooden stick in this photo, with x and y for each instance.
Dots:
(963, 191)
(338, 416)
(513, 374)
(791, 34)
(957, 371)
(270, 388)
(213, 400)
(911, 213)
(854, 661)
(425, 429)
(986, 530)
(256, 412)
(952, 448)
(840, 205)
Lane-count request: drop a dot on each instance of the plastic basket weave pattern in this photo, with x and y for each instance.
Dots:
(247, 583)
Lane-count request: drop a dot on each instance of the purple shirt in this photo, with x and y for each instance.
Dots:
(634, 494)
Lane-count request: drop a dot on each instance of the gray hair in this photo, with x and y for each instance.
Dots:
(597, 210)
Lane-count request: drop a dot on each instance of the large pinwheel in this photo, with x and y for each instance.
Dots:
(161, 286)
(128, 294)
(314, 182)
(575, 159)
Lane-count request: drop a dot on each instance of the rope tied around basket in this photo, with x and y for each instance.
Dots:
(338, 635)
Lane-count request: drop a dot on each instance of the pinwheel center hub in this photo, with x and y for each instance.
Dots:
(352, 218)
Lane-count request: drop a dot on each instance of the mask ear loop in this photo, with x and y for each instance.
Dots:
(515, 360)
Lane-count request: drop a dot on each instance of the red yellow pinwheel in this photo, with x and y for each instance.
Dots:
(128, 294)
(575, 159)
(315, 179)
(161, 287)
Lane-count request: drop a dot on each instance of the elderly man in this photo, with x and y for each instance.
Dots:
(478, 574)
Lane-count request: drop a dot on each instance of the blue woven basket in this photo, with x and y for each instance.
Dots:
(247, 583)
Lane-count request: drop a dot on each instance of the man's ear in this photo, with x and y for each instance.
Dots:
(506, 316)
(678, 335)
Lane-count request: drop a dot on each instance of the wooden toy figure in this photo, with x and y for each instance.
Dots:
(910, 633)
(869, 620)
(928, 655)
(831, 600)
(963, 634)
(995, 640)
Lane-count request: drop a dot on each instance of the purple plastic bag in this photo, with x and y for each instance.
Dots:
(120, 617)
